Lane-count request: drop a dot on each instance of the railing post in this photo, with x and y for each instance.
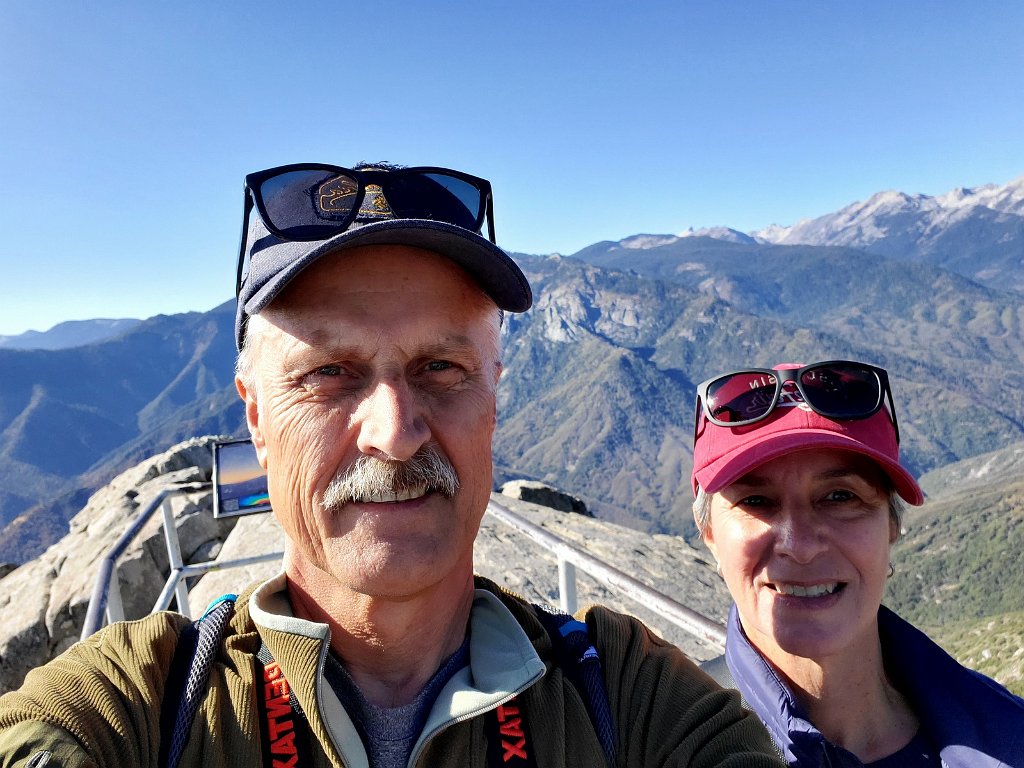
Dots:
(174, 556)
(567, 586)
(115, 608)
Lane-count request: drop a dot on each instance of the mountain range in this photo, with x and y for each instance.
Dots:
(597, 397)
(977, 232)
(72, 333)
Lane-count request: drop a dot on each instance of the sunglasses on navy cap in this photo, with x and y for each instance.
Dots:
(312, 201)
(837, 389)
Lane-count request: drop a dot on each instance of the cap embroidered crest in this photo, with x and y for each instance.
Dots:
(335, 195)
(375, 206)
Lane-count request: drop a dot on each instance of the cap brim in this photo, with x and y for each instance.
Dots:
(492, 268)
(755, 451)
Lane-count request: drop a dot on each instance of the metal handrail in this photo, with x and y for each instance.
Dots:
(571, 557)
(179, 575)
(106, 594)
(106, 603)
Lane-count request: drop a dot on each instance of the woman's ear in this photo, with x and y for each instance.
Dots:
(707, 533)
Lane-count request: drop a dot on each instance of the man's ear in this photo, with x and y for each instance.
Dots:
(252, 419)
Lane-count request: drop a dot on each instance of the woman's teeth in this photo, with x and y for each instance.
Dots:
(815, 590)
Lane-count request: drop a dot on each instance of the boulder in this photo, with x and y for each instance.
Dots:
(544, 495)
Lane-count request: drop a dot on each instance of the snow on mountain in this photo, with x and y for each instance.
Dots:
(643, 242)
(719, 233)
(892, 214)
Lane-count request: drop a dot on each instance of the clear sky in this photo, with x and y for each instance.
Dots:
(126, 128)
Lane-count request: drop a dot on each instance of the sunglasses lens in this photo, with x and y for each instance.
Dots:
(741, 397)
(842, 390)
(436, 196)
(309, 204)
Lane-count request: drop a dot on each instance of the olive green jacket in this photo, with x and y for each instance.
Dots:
(99, 703)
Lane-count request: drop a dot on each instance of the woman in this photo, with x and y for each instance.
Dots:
(798, 485)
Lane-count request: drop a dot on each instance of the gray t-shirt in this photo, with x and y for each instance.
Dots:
(389, 733)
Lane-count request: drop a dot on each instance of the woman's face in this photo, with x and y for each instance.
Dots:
(803, 543)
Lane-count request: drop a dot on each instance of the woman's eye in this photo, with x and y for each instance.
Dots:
(754, 501)
(840, 496)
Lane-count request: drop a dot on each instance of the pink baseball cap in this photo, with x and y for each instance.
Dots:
(722, 455)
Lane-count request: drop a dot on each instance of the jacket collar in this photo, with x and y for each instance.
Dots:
(502, 662)
(771, 699)
(972, 720)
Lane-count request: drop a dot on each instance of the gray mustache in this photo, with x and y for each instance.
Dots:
(370, 476)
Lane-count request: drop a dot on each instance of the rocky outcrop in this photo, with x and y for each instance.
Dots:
(544, 495)
(44, 601)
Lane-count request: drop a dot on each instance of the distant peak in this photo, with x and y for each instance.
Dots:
(719, 233)
(643, 242)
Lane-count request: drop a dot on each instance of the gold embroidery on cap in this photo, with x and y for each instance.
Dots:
(374, 202)
(334, 195)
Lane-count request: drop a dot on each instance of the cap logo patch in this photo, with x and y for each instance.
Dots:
(335, 195)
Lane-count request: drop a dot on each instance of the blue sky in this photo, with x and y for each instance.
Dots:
(126, 128)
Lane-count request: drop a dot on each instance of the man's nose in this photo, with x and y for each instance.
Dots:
(391, 423)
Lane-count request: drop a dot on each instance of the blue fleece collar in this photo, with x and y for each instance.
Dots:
(974, 721)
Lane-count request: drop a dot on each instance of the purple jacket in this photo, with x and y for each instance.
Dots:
(972, 720)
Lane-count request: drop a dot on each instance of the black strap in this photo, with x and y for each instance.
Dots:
(284, 729)
(188, 678)
(506, 727)
(508, 738)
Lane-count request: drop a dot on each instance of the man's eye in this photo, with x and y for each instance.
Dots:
(438, 365)
(328, 370)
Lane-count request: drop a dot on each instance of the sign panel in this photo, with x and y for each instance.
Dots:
(239, 482)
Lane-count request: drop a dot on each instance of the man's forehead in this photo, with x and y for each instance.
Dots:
(386, 269)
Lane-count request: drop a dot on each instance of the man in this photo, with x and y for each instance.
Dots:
(368, 320)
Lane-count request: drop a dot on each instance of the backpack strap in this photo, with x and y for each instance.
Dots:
(189, 676)
(580, 662)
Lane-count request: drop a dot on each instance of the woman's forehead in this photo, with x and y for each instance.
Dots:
(819, 464)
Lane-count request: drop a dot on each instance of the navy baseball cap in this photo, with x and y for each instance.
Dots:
(273, 261)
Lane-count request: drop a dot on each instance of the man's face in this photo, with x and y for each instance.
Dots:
(378, 352)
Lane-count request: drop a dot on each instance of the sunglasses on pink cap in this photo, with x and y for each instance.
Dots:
(837, 389)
